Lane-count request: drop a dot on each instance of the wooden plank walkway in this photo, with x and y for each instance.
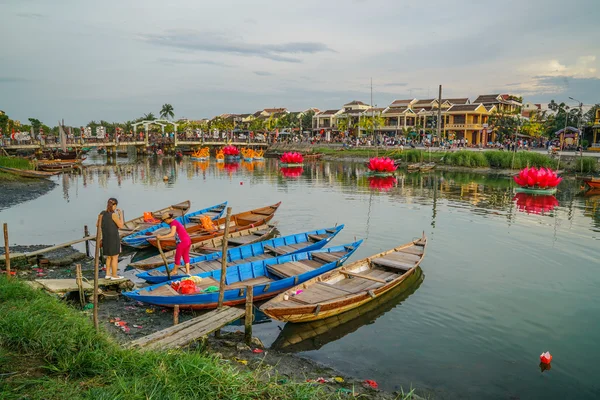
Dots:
(186, 332)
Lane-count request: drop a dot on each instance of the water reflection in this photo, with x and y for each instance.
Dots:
(535, 204)
(314, 335)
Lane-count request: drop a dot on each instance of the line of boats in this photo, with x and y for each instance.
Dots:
(304, 280)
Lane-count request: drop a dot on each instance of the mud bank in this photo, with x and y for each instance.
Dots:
(13, 192)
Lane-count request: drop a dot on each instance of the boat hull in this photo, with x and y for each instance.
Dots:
(593, 183)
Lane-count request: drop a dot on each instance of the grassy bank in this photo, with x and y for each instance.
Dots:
(15, 162)
(50, 351)
(474, 159)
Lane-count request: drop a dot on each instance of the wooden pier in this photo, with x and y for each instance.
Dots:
(189, 331)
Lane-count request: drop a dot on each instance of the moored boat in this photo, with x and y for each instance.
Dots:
(138, 236)
(265, 277)
(27, 173)
(212, 245)
(427, 167)
(347, 287)
(297, 243)
(199, 233)
(592, 182)
(150, 219)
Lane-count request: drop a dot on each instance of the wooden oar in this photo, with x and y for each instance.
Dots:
(163, 257)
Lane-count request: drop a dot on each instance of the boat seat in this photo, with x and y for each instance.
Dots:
(180, 206)
(250, 282)
(265, 212)
(326, 257)
(288, 269)
(392, 264)
(318, 238)
(238, 240)
(276, 250)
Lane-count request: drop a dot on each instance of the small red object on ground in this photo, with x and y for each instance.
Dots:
(258, 351)
(371, 384)
(546, 357)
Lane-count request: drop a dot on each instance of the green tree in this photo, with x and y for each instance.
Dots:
(504, 124)
(342, 124)
(167, 111)
(307, 120)
(148, 117)
(4, 124)
(257, 125)
(36, 123)
(271, 123)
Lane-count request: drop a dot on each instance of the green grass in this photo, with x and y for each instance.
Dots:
(57, 354)
(15, 162)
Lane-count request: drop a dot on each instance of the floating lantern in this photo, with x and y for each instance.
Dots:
(291, 159)
(546, 357)
(540, 181)
(381, 166)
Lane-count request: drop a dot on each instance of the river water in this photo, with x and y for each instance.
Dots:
(504, 278)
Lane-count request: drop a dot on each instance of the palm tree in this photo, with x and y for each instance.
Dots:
(149, 117)
(167, 111)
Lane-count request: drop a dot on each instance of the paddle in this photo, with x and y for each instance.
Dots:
(163, 257)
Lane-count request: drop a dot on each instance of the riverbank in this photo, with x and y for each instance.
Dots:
(226, 368)
(16, 190)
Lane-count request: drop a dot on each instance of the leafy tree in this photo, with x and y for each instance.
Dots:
(342, 124)
(504, 124)
(371, 123)
(307, 119)
(167, 111)
(4, 124)
(148, 117)
(271, 123)
(36, 123)
(257, 125)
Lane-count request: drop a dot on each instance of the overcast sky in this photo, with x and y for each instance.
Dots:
(116, 60)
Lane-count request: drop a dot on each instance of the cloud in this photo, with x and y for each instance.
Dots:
(29, 15)
(217, 43)
(13, 79)
(165, 60)
(583, 67)
(263, 73)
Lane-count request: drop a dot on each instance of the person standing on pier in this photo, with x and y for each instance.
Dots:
(110, 221)
(182, 238)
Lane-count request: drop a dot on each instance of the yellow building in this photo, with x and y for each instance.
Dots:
(469, 122)
(595, 146)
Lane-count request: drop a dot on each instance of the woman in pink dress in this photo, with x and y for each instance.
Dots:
(182, 238)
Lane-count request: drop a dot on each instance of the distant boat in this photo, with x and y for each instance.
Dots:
(27, 173)
(592, 182)
(346, 288)
(265, 277)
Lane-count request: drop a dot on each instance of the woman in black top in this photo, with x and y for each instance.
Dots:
(110, 221)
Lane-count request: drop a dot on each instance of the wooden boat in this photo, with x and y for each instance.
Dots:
(240, 221)
(346, 288)
(27, 173)
(427, 167)
(313, 157)
(142, 222)
(137, 236)
(316, 334)
(265, 277)
(212, 245)
(413, 167)
(298, 243)
(592, 182)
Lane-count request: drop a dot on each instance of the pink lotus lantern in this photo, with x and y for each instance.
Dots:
(291, 172)
(534, 180)
(383, 184)
(532, 204)
(381, 165)
(231, 151)
(292, 158)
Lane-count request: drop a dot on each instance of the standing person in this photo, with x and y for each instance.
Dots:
(182, 238)
(110, 221)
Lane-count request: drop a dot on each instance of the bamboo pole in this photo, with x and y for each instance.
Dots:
(249, 317)
(162, 255)
(96, 266)
(6, 251)
(176, 314)
(79, 281)
(86, 233)
(224, 259)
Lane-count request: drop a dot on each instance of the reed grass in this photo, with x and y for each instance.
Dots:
(73, 361)
(15, 162)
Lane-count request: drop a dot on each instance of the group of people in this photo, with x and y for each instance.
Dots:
(111, 220)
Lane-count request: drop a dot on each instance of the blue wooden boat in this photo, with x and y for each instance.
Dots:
(298, 243)
(266, 277)
(198, 158)
(139, 238)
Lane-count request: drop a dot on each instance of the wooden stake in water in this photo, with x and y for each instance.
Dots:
(86, 233)
(224, 259)
(79, 281)
(249, 315)
(6, 250)
(176, 314)
(96, 267)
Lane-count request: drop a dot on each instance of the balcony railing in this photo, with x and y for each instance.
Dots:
(464, 126)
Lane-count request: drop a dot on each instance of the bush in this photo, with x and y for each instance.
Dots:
(466, 158)
(586, 165)
(15, 162)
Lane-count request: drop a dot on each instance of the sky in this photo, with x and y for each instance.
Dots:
(117, 60)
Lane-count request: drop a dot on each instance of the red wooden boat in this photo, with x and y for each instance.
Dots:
(592, 182)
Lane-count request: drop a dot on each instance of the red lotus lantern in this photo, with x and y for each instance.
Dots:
(292, 172)
(382, 184)
(231, 151)
(381, 165)
(534, 204)
(535, 180)
(292, 158)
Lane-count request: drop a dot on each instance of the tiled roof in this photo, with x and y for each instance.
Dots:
(464, 100)
(463, 107)
(374, 109)
(353, 112)
(327, 112)
(395, 110)
(423, 102)
(256, 114)
(399, 103)
(355, 103)
(275, 110)
(487, 98)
